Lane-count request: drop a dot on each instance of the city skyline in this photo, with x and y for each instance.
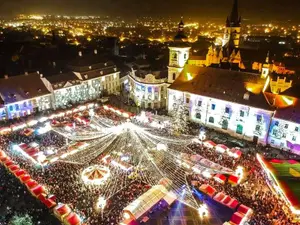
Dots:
(255, 10)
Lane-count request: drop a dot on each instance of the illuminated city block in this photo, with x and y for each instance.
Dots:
(238, 120)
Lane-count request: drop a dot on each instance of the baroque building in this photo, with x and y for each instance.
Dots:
(259, 103)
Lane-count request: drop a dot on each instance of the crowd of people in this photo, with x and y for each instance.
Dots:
(63, 179)
(253, 192)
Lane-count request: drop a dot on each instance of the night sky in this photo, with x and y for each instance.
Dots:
(256, 10)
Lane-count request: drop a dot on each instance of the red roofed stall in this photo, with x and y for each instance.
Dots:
(207, 189)
(72, 219)
(49, 203)
(209, 144)
(233, 203)
(36, 191)
(24, 178)
(13, 168)
(234, 180)
(220, 178)
(237, 218)
(219, 196)
(19, 173)
(61, 211)
(245, 210)
(31, 184)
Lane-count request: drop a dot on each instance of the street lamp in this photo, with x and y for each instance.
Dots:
(203, 211)
(202, 135)
(101, 204)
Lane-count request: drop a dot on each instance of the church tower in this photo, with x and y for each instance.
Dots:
(233, 28)
(265, 70)
(178, 55)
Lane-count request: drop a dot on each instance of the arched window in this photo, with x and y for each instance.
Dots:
(239, 129)
(198, 116)
(225, 125)
(211, 119)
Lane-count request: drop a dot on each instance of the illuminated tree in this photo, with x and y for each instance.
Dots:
(21, 220)
(180, 118)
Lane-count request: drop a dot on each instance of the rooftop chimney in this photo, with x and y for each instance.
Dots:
(41, 75)
(26, 73)
(95, 51)
(80, 53)
(5, 76)
(38, 72)
(54, 64)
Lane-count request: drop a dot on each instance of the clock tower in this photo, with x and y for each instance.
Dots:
(179, 54)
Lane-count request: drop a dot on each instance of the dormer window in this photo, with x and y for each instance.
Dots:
(39, 90)
(27, 93)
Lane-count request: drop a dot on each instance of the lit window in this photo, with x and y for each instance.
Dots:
(213, 106)
(242, 113)
(239, 129)
(257, 128)
(259, 118)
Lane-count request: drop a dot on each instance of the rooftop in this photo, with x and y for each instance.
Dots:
(222, 84)
(19, 88)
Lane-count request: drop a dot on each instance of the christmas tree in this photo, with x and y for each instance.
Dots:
(180, 118)
(21, 220)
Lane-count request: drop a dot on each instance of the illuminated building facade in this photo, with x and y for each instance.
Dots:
(148, 92)
(220, 99)
(21, 98)
(75, 87)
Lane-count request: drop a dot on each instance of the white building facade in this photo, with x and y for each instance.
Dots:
(284, 134)
(148, 92)
(238, 120)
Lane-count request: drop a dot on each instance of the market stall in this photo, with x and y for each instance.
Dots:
(72, 219)
(221, 178)
(61, 211)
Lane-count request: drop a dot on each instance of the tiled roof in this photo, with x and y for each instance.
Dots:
(60, 80)
(291, 113)
(98, 72)
(222, 84)
(197, 57)
(18, 88)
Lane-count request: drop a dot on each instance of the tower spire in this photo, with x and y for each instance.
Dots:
(234, 18)
(180, 36)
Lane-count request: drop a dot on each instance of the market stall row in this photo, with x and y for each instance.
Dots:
(60, 210)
